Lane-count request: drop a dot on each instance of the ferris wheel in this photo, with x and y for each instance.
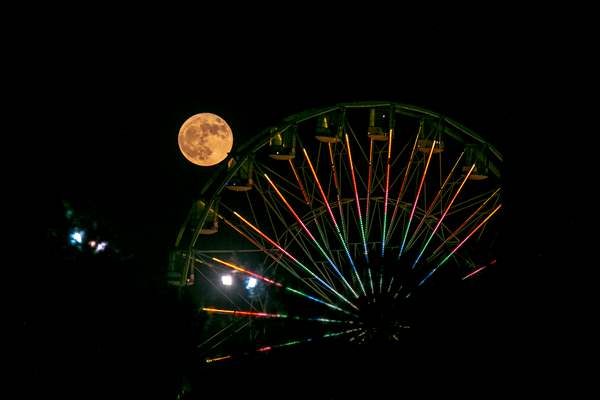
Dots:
(328, 225)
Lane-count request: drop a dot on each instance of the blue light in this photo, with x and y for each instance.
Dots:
(77, 237)
(251, 283)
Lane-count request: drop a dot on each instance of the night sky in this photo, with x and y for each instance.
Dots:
(109, 322)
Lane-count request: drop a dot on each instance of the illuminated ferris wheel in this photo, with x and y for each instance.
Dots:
(327, 226)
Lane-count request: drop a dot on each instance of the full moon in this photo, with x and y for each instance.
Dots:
(205, 139)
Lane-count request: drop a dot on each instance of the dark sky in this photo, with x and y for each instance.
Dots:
(110, 146)
(113, 141)
(116, 142)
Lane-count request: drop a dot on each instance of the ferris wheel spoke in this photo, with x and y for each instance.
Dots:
(221, 290)
(300, 185)
(337, 186)
(217, 334)
(464, 224)
(270, 207)
(395, 223)
(322, 233)
(294, 237)
(396, 161)
(222, 358)
(379, 170)
(476, 271)
(309, 233)
(271, 281)
(470, 203)
(292, 186)
(337, 229)
(412, 213)
(361, 336)
(390, 285)
(403, 185)
(369, 183)
(459, 245)
(400, 291)
(441, 219)
(268, 252)
(356, 197)
(234, 333)
(278, 260)
(324, 271)
(296, 261)
(268, 316)
(298, 292)
(496, 200)
(334, 174)
(264, 168)
(373, 221)
(358, 143)
(438, 195)
(415, 237)
(287, 344)
(245, 271)
(238, 313)
(347, 331)
(246, 236)
(387, 184)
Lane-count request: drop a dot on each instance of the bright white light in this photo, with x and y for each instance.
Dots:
(227, 280)
(101, 246)
(251, 283)
(92, 243)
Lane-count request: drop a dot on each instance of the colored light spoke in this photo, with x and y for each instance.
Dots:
(246, 236)
(294, 259)
(387, 189)
(293, 342)
(309, 233)
(304, 194)
(317, 300)
(404, 180)
(330, 320)
(337, 186)
(238, 313)
(371, 281)
(460, 244)
(360, 220)
(286, 344)
(238, 268)
(412, 212)
(209, 360)
(443, 216)
(340, 333)
(459, 229)
(300, 341)
(337, 228)
(369, 183)
(390, 284)
(437, 197)
(243, 313)
(474, 272)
